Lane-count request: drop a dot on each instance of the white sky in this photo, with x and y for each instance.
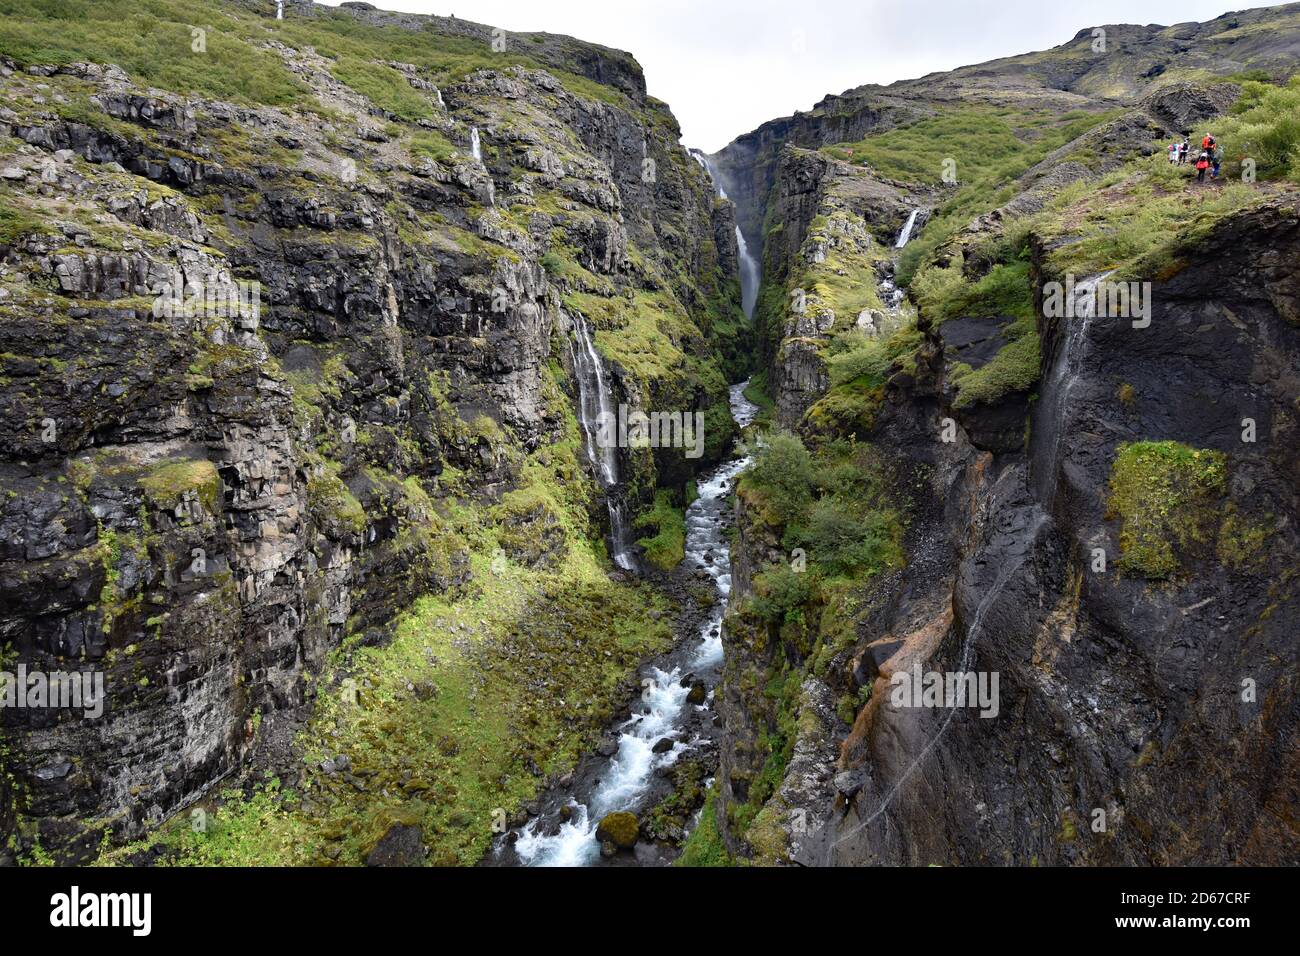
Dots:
(726, 66)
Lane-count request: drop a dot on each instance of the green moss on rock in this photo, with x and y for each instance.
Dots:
(169, 483)
(1166, 496)
(1014, 369)
(619, 828)
(666, 547)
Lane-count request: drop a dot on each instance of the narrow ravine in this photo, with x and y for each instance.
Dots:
(664, 715)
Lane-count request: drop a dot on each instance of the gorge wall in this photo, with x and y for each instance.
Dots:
(1099, 511)
(201, 502)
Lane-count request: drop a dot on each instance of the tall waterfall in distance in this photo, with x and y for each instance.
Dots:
(749, 274)
(475, 145)
(595, 409)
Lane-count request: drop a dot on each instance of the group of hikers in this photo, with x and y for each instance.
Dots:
(1211, 157)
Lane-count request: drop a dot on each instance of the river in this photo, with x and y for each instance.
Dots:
(624, 780)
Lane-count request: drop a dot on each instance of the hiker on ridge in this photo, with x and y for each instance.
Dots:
(1202, 165)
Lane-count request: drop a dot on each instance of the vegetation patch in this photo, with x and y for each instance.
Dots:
(1013, 369)
(666, 546)
(169, 483)
(704, 846)
(1166, 496)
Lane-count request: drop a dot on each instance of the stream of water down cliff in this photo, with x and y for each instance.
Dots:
(624, 779)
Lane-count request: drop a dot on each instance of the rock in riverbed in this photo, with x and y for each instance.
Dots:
(619, 829)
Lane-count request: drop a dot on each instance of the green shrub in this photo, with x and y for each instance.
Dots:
(666, 547)
(1264, 126)
(845, 543)
(780, 593)
(782, 473)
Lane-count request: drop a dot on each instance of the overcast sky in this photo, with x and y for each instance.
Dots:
(725, 66)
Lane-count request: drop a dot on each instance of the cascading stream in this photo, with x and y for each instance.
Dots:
(749, 275)
(594, 408)
(475, 145)
(625, 780)
(906, 234)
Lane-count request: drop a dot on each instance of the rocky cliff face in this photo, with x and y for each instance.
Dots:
(1091, 510)
(253, 354)
(1116, 694)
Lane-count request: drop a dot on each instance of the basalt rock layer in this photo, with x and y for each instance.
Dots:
(250, 351)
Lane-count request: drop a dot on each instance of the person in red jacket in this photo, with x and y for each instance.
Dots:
(1202, 165)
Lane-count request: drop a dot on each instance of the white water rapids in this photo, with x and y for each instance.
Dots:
(664, 707)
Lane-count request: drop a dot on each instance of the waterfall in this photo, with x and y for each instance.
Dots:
(1082, 301)
(279, 9)
(596, 415)
(475, 145)
(906, 234)
(749, 274)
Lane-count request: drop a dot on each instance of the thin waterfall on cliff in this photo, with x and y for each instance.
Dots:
(906, 234)
(1065, 373)
(595, 410)
(475, 145)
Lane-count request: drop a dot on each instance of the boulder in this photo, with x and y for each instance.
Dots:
(619, 828)
(402, 845)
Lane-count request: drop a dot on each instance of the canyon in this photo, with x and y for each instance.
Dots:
(366, 583)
